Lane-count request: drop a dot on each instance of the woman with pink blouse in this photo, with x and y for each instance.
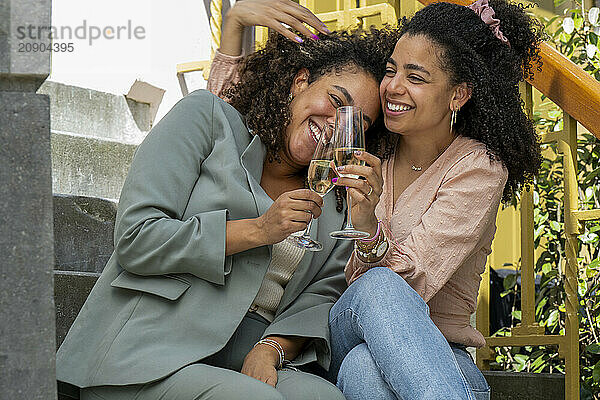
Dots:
(456, 143)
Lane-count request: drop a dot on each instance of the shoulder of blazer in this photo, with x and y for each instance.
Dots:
(218, 108)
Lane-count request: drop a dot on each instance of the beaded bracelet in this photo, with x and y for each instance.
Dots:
(277, 346)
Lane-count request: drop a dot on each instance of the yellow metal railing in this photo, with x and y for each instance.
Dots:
(529, 332)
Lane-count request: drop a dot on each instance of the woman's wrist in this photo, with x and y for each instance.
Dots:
(372, 249)
(232, 35)
(275, 349)
(243, 234)
(370, 228)
(260, 231)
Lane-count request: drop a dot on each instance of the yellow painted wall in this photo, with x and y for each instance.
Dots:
(506, 248)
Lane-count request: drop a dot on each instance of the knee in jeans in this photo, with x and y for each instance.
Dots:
(375, 280)
(380, 282)
(358, 367)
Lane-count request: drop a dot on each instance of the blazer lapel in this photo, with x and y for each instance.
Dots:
(252, 160)
(307, 269)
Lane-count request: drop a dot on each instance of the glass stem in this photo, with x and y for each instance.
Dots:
(306, 233)
(349, 225)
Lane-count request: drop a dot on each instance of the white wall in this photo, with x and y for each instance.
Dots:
(175, 31)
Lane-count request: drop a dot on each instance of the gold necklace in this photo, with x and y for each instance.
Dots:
(419, 169)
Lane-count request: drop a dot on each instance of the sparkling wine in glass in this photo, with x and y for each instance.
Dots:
(320, 173)
(346, 156)
(348, 137)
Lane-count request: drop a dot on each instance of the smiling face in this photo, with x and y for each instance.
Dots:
(415, 92)
(314, 106)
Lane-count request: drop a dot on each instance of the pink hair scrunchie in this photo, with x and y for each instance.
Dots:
(487, 14)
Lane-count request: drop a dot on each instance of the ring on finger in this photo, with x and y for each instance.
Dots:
(370, 190)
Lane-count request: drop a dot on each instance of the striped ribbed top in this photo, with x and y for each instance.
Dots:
(285, 257)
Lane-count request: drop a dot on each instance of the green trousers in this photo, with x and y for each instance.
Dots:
(218, 378)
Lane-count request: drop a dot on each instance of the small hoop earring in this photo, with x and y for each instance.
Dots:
(290, 98)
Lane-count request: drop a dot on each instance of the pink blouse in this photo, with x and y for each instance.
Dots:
(440, 229)
(440, 232)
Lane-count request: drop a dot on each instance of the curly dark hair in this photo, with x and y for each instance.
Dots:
(267, 76)
(469, 52)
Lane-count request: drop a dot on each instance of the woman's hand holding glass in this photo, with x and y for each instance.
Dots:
(351, 160)
(364, 193)
(320, 174)
(291, 212)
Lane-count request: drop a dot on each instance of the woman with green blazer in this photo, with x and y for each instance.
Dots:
(201, 298)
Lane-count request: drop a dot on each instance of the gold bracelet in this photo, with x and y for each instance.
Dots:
(374, 250)
(366, 245)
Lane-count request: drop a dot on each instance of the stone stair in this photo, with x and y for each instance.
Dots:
(83, 243)
(93, 138)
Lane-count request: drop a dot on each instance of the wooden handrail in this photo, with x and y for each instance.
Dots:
(565, 83)
(570, 87)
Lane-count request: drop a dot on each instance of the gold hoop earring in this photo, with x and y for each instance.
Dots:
(453, 119)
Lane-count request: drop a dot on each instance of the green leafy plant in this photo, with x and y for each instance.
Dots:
(576, 35)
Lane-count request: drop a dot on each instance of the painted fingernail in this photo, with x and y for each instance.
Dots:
(358, 152)
(315, 37)
(334, 180)
(298, 39)
(340, 168)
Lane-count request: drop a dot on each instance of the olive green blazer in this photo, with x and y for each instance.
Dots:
(169, 296)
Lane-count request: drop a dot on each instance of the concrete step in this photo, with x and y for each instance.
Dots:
(96, 114)
(89, 166)
(71, 289)
(83, 243)
(83, 232)
(525, 386)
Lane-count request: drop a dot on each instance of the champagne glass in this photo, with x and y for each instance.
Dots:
(348, 137)
(320, 173)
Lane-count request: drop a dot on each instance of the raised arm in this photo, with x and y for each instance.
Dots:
(223, 73)
(272, 14)
(268, 13)
(465, 207)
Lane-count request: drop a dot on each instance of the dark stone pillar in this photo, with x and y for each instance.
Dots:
(27, 319)
(27, 338)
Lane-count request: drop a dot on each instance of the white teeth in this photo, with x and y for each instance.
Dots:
(314, 130)
(397, 107)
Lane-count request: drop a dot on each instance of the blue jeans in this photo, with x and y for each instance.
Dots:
(385, 346)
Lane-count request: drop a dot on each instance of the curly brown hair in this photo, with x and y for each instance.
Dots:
(469, 52)
(266, 76)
